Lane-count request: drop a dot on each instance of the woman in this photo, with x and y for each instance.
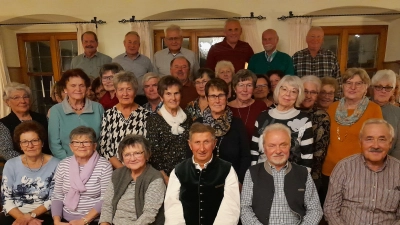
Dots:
(395, 98)
(136, 184)
(262, 89)
(274, 77)
(225, 70)
(200, 78)
(57, 93)
(27, 179)
(6, 145)
(168, 129)
(244, 107)
(107, 72)
(97, 88)
(326, 96)
(383, 83)
(288, 94)
(75, 110)
(80, 181)
(126, 117)
(232, 143)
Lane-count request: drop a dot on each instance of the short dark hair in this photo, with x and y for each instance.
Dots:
(166, 82)
(113, 67)
(179, 57)
(201, 128)
(29, 126)
(263, 76)
(243, 75)
(218, 84)
(133, 140)
(83, 131)
(200, 74)
(96, 83)
(74, 73)
(92, 33)
(280, 73)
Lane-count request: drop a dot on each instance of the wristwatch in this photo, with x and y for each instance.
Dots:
(32, 214)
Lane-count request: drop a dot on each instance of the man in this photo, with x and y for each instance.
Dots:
(91, 60)
(150, 84)
(135, 62)
(173, 40)
(180, 68)
(231, 48)
(365, 188)
(271, 59)
(277, 191)
(203, 189)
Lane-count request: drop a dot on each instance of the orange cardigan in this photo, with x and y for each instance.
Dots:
(349, 144)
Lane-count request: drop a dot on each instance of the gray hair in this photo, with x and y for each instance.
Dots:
(315, 28)
(126, 76)
(223, 63)
(149, 76)
(312, 79)
(276, 127)
(83, 131)
(173, 27)
(384, 75)
(201, 128)
(229, 20)
(14, 86)
(243, 75)
(133, 33)
(293, 81)
(134, 140)
(377, 121)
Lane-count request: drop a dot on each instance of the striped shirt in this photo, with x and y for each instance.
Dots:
(358, 195)
(91, 198)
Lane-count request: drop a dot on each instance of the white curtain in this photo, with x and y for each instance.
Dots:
(250, 34)
(298, 28)
(82, 28)
(146, 38)
(4, 79)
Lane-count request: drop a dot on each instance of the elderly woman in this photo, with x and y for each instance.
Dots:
(136, 184)
(326, 96)
(383, 83)
(75, 110)
(125, 118)
(168, 130)
(80, 181)
(262, 89)
(244, 107)
(57, 93)
(395, 98)
(27, 179)
(107, 72)
(200, 78)
(225, 70)
(232, 143)
(6, 145)
(288, 93)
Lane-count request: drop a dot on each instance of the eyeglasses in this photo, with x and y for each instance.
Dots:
(107, 78)
(289, 92)
(312, 93)
(79, 143)
(198, 83)
(215, 97)
(242, 86)
(34, 142)
(328, 94)
(174, 38)
(357, 84)
(16, 98)
(137, 155)
(387, 88)
(261, 86)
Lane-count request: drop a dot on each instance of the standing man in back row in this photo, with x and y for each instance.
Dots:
(90, 61)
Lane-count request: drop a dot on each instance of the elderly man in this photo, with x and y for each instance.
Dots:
(271, 59)
(91, 60)
(135, 62)
(365, 188)
(277, 191)
(173, 39)
(231, 48)
(203, 189)
(180, 68)
(150, 85)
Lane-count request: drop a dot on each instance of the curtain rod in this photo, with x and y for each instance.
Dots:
(336, 15)
(94, 20)
(132, 19)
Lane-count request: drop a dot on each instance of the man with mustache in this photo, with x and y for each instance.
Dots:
(277, 191)
(271, 58)
(180, 68)
(365, 188)
(91, 60)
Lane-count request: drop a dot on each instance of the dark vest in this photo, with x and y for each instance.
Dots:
(264, 189)
(201, 192)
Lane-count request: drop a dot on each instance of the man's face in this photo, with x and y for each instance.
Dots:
(180, 69)
(315, 39)
(269, 40)
(232, 32)
(202, 146)
(132, 44)
(375, 143)
(277, 148)
(150, 89)
(89, 44)
(173, 40)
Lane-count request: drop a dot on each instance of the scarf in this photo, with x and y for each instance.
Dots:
(220, 125)
(78, 182)
(341, 116)
(174, 122)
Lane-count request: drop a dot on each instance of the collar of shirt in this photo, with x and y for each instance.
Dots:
(381, 169)
(271, 57)
(320, 52)
(268, 167)
(225, 42)
(94, 55)
(197, 166)
(126, 55)
(169, 52)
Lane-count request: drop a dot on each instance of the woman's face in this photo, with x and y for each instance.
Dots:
(216, 100)
(261, 91)
(75, 88)
(172, 97)
(200, 84)
(326, 96)
(133, 157)
(311, 94)
(287, 96)
(125, 93)
(274, 79)
(82, 146)
(382, 96)
(107, 81)
(354, 88)
(19, 101)
(30, 144)
(225, 73)
(244, 90)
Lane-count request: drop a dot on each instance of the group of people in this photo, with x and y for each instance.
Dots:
(285, 141)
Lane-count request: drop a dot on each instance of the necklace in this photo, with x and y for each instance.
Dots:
(248, 113)
(338, 135)
(220, 141)
(26, 160)
(77, 109)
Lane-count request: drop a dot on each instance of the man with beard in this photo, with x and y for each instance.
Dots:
(180, 68)
(271, 59)
(91, 60)
(365, 188)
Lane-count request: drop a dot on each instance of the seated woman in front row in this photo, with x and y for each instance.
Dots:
(136, 191)
(27, 179)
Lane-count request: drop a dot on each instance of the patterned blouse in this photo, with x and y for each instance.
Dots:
(193, 109)
(6, 145)
(115, 127)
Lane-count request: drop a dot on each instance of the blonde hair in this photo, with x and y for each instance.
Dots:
(293, 81)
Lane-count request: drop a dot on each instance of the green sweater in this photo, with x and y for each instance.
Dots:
(258, 63)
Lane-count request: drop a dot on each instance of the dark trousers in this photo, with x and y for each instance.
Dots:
(323, 190)
(9, 220)
(140, 99)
